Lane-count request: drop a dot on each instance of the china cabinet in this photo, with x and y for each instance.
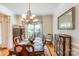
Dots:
(63, 44)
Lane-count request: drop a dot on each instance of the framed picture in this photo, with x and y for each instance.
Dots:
(67, 20)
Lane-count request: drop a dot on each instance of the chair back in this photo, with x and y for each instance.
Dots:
(30, 49)
(18, 49)
(22, 37)
(24, 50)
(16, 41)
(44, 40)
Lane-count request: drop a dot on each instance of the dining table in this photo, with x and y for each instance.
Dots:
(24, 42)
(38, 45)
(37, 41)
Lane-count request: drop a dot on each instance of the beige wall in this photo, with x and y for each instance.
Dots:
(74, 33)
(47, 24)
(18, 18)
(5, 31)
(9, 13)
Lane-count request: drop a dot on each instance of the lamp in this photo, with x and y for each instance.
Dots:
(29, 17)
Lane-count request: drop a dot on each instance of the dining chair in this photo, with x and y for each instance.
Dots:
(29, 49)
(44, 40)
(22, 37)
(16, 40)
(32, 38)
(18, 49)
(24, 50)
(44, 43)
(39, 47)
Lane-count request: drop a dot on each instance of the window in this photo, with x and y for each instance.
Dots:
(30, 29)
(35, 28)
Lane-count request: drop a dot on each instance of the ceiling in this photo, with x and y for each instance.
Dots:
(36, 8)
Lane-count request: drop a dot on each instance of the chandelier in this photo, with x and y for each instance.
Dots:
(28, 17)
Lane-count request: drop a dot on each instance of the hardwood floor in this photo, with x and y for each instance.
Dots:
(51, 50)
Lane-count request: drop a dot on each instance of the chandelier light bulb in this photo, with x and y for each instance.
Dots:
(35, 20)
(24, 16)
(27, 20)
(33, 15)
(21, 19)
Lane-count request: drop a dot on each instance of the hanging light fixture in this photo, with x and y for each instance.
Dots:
(29, 17)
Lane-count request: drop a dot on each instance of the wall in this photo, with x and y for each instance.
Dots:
(74, 33)
(7, 12)
(18, 18)
(47, 24)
